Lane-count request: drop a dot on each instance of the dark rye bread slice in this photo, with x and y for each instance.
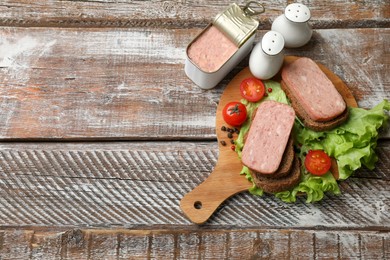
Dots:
(307, 121)
(285, 165)
(272, 185)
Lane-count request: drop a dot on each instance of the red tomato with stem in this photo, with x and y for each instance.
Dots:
(234, 113)
(252, 89)
(317, 162)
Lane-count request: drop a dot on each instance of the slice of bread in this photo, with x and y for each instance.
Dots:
(307, 121)
(272, 185)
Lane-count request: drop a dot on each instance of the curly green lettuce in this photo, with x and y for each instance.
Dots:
(352, 144)
(313, 186)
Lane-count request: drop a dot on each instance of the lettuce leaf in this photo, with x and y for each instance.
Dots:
(352, 144)
(254, 189)
(313, 186)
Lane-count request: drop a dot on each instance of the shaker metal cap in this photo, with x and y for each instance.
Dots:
(298, 13)
(237, 23)
(272, 43)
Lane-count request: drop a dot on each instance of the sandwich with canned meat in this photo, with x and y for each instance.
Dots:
(268, 151)
(313, 96)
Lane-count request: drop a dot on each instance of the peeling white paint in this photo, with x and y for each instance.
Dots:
(122, 86)
(142, 46)
(10, 51)
(314, 218)
(8, 108)
(207, 121)
(379, 209)
(47, 48)
(17, 56)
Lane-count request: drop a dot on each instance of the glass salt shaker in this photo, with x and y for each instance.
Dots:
(267, 56)
(293, 25)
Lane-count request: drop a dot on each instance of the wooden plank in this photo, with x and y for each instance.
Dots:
(75, 244)
(103, 245)
(16, 244)
(272, 245)
(386, 247)
(140, 184)
(170, 244)
(373, 247)
(77, 84)
(299, 245)
(183, 13)
(213, 246)
(326, 245)
(241, 245)
(133, 245)
(129, 86)
(350, 244)
(48, 245)
(1, 240)
(188, 245)
(162, 246)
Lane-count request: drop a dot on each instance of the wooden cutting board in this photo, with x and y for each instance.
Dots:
(225, 180)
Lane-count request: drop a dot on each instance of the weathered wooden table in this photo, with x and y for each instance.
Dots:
(102, 134)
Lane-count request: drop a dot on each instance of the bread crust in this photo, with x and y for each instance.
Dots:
(307, 121)
(273, 185)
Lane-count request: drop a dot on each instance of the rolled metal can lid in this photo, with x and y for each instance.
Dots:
(237, 23)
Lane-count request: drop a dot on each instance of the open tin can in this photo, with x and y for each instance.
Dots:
(222, 44)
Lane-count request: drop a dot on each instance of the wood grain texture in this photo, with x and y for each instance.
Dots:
(139, 185)
(77, 84)
(190, 244)
(181, 13)
(97, 70)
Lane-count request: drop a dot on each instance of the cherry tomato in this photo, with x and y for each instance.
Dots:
(317, 162)
(252, 89)
(234, 113)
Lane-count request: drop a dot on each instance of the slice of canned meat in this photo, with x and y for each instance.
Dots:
(313, 90)
(268, 136)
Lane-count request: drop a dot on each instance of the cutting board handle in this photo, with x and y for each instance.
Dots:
(200, 203)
